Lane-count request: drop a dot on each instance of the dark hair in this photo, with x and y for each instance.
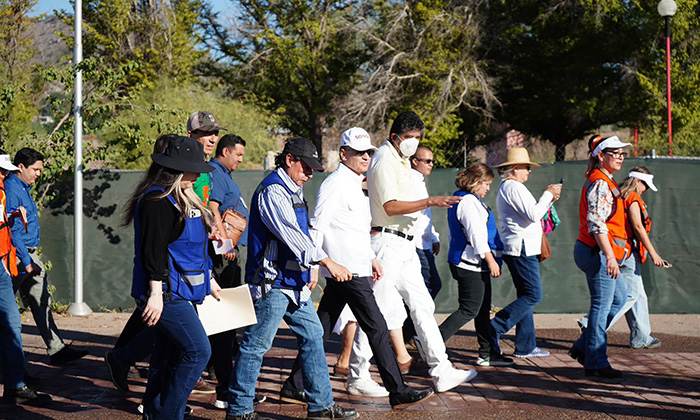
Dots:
(162, 143)
(27, 156)
(281, 159)
(420, 147)
(406, 121)
(228, 141)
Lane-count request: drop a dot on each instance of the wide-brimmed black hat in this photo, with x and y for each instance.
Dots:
(183, 154)
(304, 150)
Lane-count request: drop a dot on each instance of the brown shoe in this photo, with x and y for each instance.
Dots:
(413, 366)
(203, 387)
(341, 372)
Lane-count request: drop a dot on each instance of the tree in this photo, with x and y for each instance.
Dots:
(16, 95)
(296, 58)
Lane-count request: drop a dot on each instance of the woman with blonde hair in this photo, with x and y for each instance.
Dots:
(172, 271)
(474, 256)
(600, 249)
(636, 310)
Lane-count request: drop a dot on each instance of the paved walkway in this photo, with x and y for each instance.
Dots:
(659, 384)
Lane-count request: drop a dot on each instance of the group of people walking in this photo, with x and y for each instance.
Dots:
(360, 238)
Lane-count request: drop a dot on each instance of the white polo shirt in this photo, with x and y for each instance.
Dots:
(388, 179)
(341, 222)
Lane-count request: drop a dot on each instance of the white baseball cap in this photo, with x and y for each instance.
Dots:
(608, 143)
(6, 163)
(645, 178)
(356, 138)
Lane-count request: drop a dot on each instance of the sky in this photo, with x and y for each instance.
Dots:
(46, 6)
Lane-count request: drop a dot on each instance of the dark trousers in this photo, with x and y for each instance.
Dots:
(474, 303)
(357, 294)
(224, 345)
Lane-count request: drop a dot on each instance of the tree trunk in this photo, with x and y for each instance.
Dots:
(316, 133)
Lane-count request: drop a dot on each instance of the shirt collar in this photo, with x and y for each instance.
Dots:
(216, 162)
(20, 180)
(418, 175)
(396, 155)
(345, 171)
(288, 181)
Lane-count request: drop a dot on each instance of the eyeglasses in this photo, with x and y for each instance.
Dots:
(526, 167)
(617, 155)
(369, 152)
(427, 161)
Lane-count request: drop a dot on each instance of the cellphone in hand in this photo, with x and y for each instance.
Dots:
(666, 264)
(561, 181)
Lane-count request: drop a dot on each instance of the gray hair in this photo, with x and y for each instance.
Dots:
(506, 171)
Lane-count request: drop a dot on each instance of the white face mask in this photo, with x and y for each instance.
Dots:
(408, 146)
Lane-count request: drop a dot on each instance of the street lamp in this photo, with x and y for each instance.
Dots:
(668, 8)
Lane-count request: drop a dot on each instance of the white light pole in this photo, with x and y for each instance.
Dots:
(668, 8)
(78, 307)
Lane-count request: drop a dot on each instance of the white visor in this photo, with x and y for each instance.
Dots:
(609, 143)
(6, 163)
(646, 178)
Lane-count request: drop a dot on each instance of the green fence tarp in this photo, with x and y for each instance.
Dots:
(675, 232)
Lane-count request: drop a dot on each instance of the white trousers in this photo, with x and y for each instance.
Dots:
(402, 282)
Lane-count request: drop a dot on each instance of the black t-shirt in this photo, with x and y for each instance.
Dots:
(160, 226)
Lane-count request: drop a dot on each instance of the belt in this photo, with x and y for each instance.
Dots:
(392, 231)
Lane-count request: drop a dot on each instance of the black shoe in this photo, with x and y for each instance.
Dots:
(577, 355)
(66, 355)
(248, 416)
(116, 374)
(25, 396)
(607, 372)
(292, 396)
(333, 412)
(409, 398)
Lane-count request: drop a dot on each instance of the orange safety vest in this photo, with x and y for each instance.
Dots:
(617, 232)
(8, 253)
(637, 245)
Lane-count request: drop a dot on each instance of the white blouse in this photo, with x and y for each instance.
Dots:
(519, 218)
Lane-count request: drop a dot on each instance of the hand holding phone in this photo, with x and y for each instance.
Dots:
(561, 181)
(667, 264)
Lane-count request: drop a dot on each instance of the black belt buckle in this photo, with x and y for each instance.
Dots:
(393, 232)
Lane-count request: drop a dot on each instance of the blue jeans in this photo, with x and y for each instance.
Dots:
(257, 340)
(11, 353)
(180, 354)
(607, 298)
(519, 313)
(636, 310)
(429, 271)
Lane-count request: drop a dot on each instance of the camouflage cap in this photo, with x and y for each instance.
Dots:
(203, 121)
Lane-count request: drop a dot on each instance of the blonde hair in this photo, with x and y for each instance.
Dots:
(630, 184)
(469, 179)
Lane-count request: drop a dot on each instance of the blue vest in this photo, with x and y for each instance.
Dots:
(290, 273)
(188, 262)
(458, 242)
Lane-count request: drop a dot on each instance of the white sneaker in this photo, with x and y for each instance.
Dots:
(221, 404)
(367, 388)
(451, 378)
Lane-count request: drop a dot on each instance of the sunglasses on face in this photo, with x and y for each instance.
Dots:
(426, 161)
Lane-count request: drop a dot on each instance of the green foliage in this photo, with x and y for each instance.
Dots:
(165, 109)
(296, 58)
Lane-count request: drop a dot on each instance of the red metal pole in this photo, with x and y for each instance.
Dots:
(636, 139)
(668, 84)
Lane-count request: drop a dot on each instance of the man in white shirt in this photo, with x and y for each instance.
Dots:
(393, 203)
(426, 238)
(341, 227)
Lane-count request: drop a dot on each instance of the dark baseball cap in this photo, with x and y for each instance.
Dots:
(203, 121)
(304, 150)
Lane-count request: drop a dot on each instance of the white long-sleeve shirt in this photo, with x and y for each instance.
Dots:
(519, 216)
(424, 233)
(341, 222)
(473, 216)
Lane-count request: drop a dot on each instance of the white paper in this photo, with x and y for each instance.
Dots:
(234, 310)
(223, 247)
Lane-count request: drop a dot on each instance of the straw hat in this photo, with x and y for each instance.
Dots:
(518, 156)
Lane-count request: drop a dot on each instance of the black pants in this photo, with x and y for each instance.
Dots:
(357, 293)
(474, 303)
(224, 345)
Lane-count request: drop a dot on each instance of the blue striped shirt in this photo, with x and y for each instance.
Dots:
(277, 213)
